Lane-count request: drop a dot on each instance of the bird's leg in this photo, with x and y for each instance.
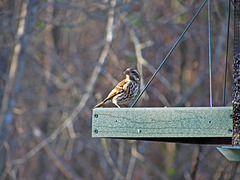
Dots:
(114, 101)
(116, 104)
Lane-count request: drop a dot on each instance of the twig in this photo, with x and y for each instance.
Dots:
(234, 170)
(89, 89)
(59, 162)
(160, 96)
(15, 77)
(196, 160)
(130, 168)
(9, 90)
(143, 62)
(148, 163)
(121, 155)
(182, 99)
(110, 78)
(138, 51)
(109, 159)
(219, 173)
(131, 162)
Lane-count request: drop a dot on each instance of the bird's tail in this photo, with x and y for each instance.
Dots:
(101, 103)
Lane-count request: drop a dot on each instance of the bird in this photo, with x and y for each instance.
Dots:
(125, 91)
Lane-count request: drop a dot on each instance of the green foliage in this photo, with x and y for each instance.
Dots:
(41, 24)
(136, 20)
(172, 172)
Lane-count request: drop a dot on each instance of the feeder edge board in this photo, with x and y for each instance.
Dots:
(172, 122)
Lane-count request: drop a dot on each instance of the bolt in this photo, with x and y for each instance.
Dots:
(96, 115)
(139, 130)
(230, 131)
(95, 131)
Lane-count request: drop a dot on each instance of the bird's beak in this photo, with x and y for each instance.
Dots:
(127, 72)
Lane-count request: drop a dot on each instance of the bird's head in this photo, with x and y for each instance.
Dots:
(132, 74)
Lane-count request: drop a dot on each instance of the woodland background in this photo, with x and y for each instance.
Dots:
(58, 58)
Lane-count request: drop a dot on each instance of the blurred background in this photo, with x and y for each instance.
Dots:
(59, 58)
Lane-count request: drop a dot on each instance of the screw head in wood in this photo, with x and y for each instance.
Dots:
(95, 131)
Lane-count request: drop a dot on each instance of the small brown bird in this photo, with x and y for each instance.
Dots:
(126, 90)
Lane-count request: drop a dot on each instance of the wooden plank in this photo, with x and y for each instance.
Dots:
(160, 123)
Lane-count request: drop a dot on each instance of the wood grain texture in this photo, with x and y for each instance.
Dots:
(182, 122)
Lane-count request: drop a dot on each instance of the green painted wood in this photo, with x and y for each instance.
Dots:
(169, 122)
(231, 153)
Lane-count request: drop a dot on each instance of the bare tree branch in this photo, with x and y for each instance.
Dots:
(9, 90)
(147, 163)
(59, 162)
(89, 89)
(110, 161)
(138, 51)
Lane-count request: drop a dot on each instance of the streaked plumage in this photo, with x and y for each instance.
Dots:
(126, 90)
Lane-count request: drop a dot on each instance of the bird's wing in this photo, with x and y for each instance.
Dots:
(118, 89)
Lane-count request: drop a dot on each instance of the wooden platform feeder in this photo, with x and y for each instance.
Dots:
(201, 125)
(198, 125)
